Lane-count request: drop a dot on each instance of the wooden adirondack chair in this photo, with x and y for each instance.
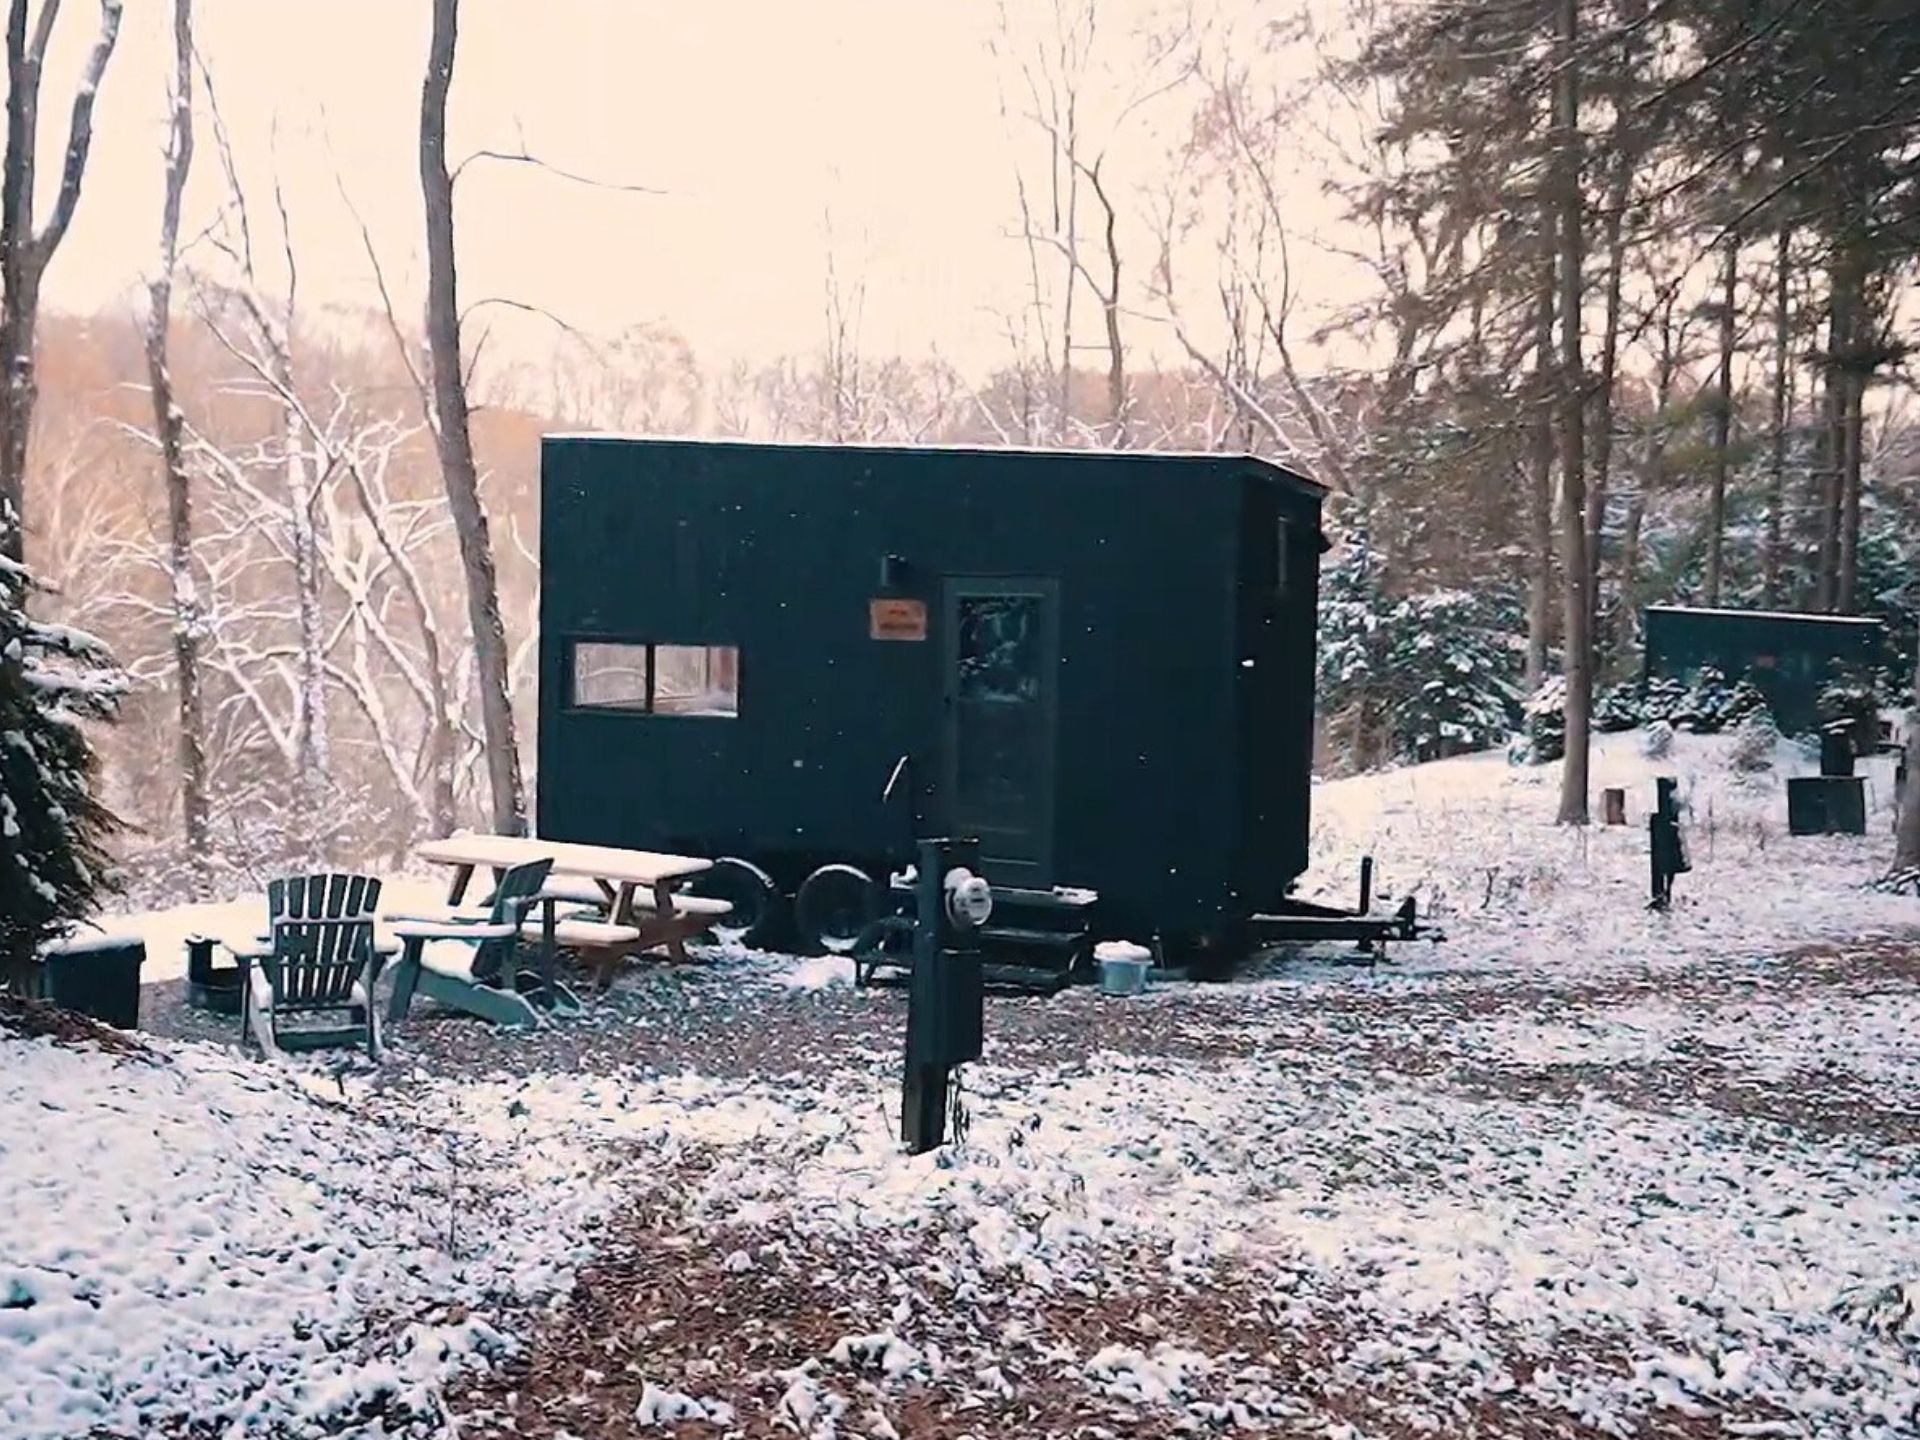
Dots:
(475, 964)
(323, 962)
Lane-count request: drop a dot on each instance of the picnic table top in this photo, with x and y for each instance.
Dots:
(594, 862)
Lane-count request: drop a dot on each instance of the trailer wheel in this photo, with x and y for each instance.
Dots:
(757, 903)
(835, 905)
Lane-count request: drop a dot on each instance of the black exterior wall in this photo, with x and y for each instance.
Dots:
(1790, 657)
(1183, 687)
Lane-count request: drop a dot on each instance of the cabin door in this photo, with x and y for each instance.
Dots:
(1002, 670)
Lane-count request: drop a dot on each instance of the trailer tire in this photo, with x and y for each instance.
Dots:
(759, 909)
(834, 907)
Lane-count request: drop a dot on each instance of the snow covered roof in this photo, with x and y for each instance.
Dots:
(1270, 469)
(1764, 614)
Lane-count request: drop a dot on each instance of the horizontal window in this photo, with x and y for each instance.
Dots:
(696, 680)
(610, 677)
(656, 679)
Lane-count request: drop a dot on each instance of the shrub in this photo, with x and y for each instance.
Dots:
(1546, 721)
(1754, 743)
(1618, 709)
(1657, 742)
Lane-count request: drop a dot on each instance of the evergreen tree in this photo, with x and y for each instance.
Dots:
(53, 868)
(1412, 677)
(1453, 675)
(1352, 683)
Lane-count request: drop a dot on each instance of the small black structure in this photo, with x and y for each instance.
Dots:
(1790, 657)
(1666, 846)
(1100, 664)
(1826, 805)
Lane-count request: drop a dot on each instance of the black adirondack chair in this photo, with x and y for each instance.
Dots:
(323, 964)
(488, 980)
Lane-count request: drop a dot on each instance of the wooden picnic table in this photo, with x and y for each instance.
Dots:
(617, 875)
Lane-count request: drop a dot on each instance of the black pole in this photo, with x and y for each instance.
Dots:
(944, 996)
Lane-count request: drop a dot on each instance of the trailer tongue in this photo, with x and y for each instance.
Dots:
(1021, 959)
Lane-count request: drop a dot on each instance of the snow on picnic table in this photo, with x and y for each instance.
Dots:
(1579, 1164)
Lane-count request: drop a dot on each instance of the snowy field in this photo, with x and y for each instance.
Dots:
(1578, 1170)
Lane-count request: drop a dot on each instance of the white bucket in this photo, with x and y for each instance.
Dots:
(1123, 968)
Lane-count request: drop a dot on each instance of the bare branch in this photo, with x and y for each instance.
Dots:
(79, 128)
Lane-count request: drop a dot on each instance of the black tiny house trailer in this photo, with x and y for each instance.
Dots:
(1100, 664)
(1790, 657)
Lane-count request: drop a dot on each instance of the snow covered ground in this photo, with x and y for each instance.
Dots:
(1579, 1170)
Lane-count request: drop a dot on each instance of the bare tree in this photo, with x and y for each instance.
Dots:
(1722, 419)
(1577, 574)
(453, 436)
(1540, 466)
(1782, 409)
(25, 252)
(268, 353)
(168, 429)
(1056, 72)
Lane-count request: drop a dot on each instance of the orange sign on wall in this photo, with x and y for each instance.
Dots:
(897, 619)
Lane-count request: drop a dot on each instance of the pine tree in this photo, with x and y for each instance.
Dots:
(53, 868)
(1453, 675)
(1352, 651)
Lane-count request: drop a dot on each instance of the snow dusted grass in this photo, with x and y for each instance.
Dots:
(1472, 838)
(1579, 1170)
(201, 1237)
(1481, 1249)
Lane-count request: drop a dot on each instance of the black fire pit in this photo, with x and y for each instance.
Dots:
(210, 986)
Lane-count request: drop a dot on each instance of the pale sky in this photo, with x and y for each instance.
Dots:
(756, 117)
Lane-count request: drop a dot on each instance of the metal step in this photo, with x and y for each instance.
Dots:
(1019, 935)
(1061, 899)
(998, 979)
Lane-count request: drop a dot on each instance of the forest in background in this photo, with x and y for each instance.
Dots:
(1637, 292)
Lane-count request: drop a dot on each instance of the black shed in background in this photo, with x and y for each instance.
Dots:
(1790, 657)
(1099, 663)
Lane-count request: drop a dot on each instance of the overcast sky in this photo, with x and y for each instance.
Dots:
(757, 118)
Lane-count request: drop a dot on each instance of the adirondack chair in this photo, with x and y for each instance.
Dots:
(323, 962)
(474, 964)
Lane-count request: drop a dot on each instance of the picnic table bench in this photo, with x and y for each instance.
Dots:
(638, 891)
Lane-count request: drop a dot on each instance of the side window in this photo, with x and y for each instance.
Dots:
(609, 677)
(696, 680)
(647, 679)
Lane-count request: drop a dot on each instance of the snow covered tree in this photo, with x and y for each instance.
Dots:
(1452, 675)
(1546, 721)
(1417, 676)
(52, 865)
(1352, 684)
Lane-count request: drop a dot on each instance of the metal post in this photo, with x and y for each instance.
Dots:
(944, 997)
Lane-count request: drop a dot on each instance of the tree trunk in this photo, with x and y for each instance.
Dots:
(169, 425)
(1110, 308)
(1846, 596)
(19, 279)
(311, 757)
(1906, 850)
(1722, 429)
(1832, 446)
(453, 437)
(1576, 572)
(1629, 573)
(23, 253)
(1777, 459)
(1540, 470)
(1603, 395)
